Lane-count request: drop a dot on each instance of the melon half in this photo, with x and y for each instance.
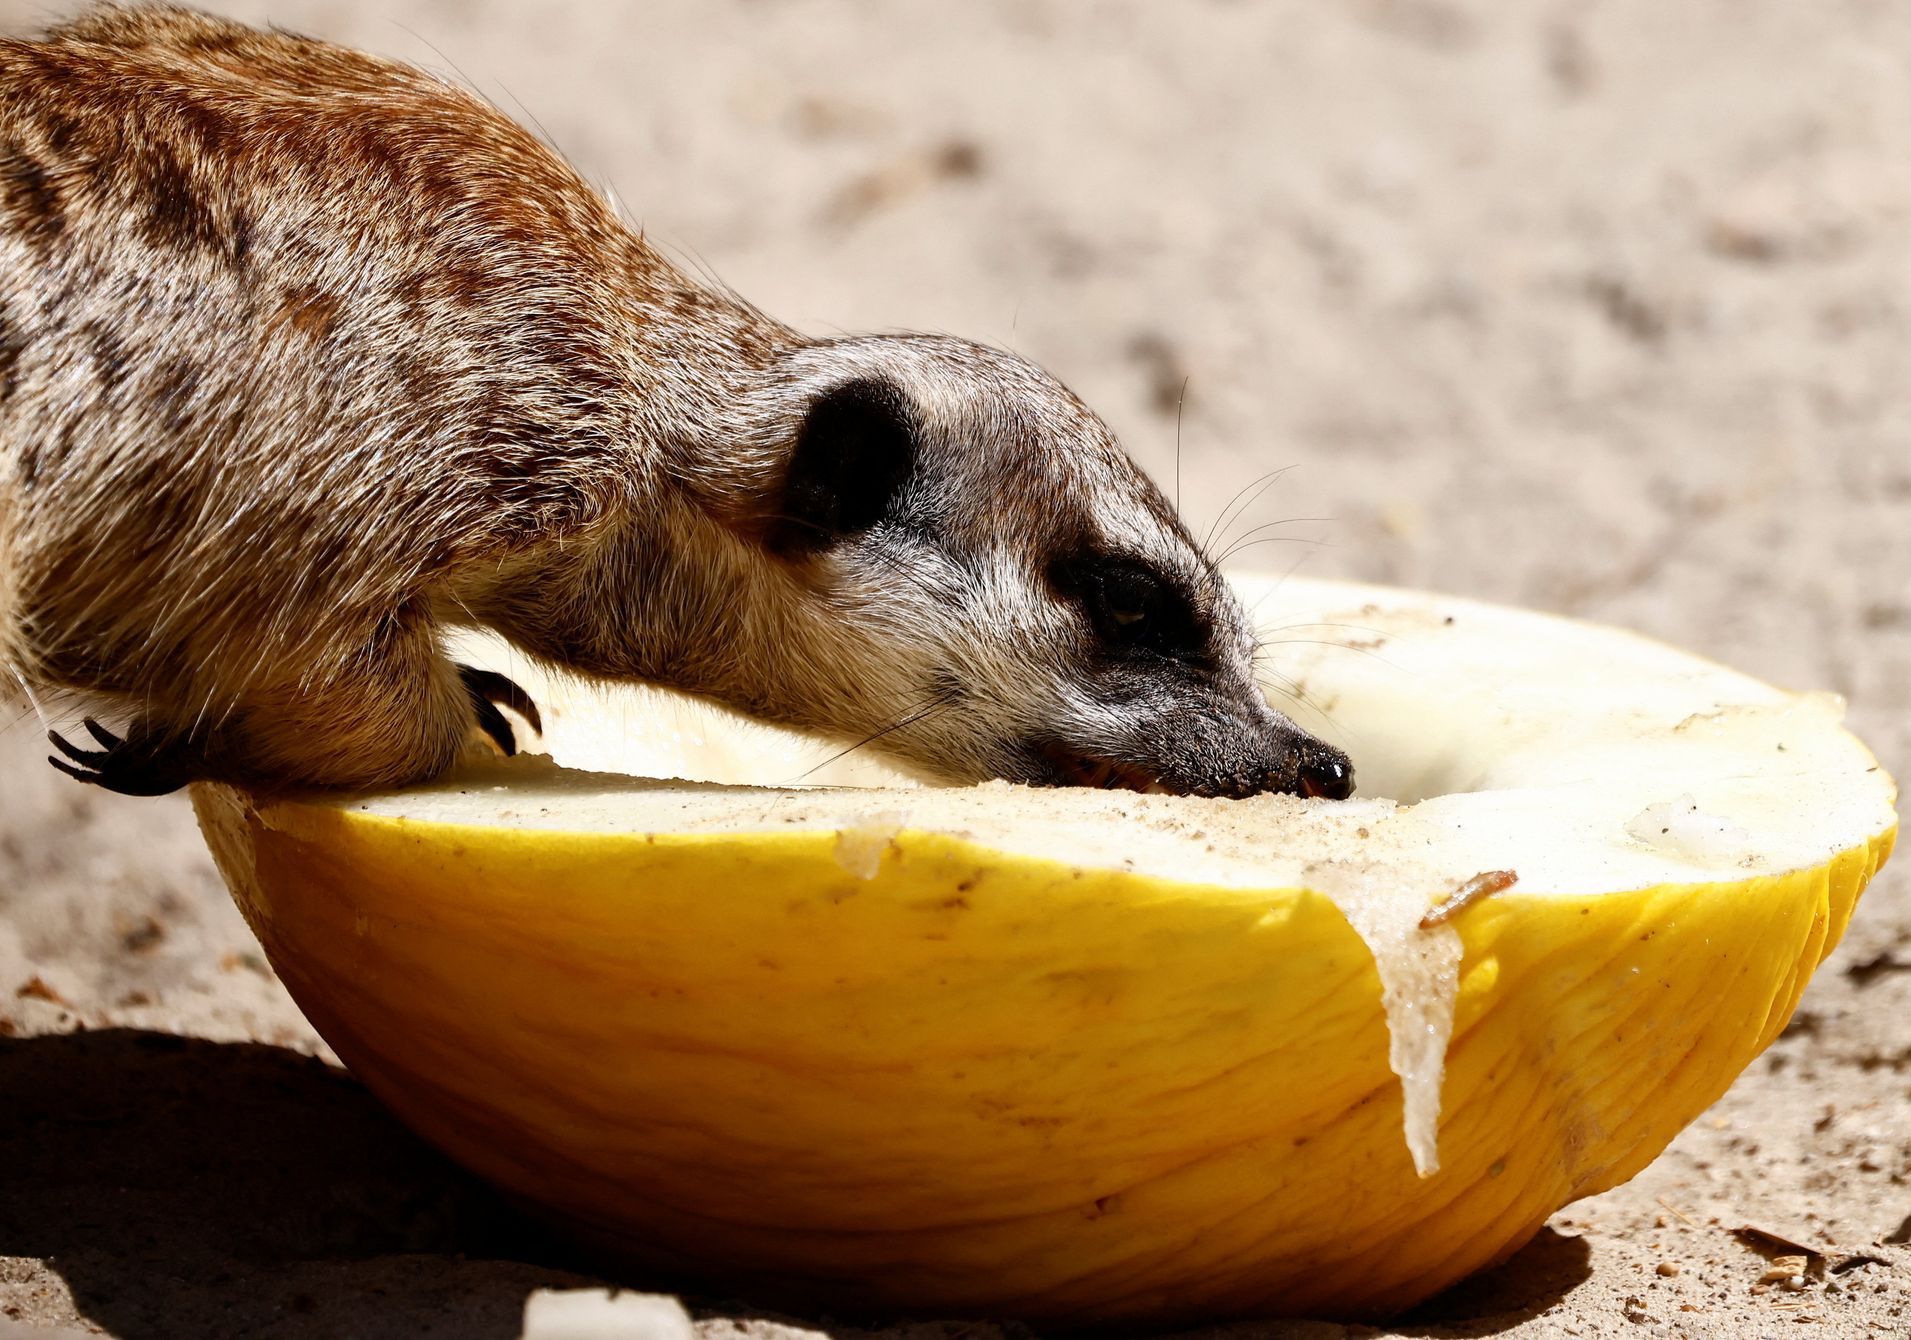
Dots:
(1089, 1055)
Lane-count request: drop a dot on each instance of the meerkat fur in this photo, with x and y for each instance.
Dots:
(306, 356)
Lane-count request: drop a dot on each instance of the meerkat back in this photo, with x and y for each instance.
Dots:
(275, 319)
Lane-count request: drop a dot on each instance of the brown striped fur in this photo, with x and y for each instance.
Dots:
(305, 354)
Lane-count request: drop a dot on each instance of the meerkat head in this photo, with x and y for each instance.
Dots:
(989, 587)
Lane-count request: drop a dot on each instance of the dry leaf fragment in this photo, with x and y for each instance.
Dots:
(1765, 1239)
(1788, 1272)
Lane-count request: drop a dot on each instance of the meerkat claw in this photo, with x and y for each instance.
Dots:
(498, 689)
(489, 690)
(91, 758)
(105, 738)
(136, 769)
(491, 721)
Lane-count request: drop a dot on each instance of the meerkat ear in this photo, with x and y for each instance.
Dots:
(854, 453)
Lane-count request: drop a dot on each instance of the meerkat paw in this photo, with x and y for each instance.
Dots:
(146, 764)
(489, 691)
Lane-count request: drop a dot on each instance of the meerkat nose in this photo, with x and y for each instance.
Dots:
(1326, 772)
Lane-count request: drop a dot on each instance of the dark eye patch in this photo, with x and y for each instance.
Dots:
(1131, 605)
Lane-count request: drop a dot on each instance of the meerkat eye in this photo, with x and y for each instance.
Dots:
(855, 451)
(1126, 597)
(1130, 606)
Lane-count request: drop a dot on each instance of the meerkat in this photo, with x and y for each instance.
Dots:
(306, 356)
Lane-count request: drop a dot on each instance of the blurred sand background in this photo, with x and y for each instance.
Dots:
(1599, 307)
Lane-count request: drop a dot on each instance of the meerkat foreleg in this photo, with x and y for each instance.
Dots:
(398, 714)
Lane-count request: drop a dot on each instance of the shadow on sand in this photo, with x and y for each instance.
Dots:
(1529, 1282)
(189, 1188)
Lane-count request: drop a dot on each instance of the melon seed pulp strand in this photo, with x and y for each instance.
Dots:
(1419, 974)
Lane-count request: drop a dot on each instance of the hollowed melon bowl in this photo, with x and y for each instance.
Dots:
(1088, 1055)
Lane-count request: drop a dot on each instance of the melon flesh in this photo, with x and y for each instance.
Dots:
(1090, 1054)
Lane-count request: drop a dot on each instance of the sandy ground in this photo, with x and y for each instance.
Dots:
(1600, 308)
